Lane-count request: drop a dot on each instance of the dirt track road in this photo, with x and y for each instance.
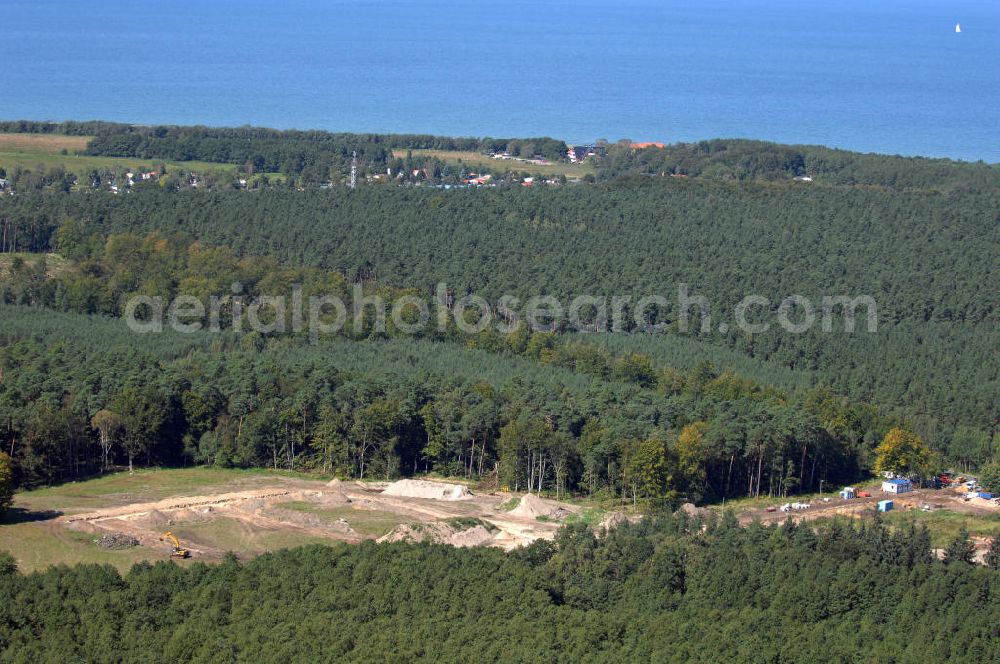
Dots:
(182, 502)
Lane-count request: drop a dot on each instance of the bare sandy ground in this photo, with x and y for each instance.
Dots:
(448, 517)
(949, 499)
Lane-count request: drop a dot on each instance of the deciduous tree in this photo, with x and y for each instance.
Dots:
(6, 481)
(902, 452)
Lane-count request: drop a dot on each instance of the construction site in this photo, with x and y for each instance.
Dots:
(206, 526)
(200, 514)
(937, 508)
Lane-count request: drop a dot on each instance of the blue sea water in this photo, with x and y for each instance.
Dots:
(874, 75)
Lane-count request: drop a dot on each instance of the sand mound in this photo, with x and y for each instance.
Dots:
(613, 520)
(153, 519)
(439, 533)
(189, 515)
(532, 507)
(335, 484)
(426, 489)
(475, 536)
(157, 519)
(506, 540)
(694, 512)
(406, 532)
(341, 526)
(332, 498)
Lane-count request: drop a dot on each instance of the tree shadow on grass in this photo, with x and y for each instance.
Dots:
(21, 515)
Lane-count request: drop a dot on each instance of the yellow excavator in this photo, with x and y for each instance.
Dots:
(178, 551)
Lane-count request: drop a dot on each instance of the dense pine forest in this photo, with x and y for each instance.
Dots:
(696, 414)
(927, 259)
(529, 411)
(757, 160)
(666, 590)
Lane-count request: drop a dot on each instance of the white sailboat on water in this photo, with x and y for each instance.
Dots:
(958, 27)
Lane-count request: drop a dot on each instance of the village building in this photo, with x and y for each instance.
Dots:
(897, 486)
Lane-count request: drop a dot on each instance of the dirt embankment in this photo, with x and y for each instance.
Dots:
(427, 489)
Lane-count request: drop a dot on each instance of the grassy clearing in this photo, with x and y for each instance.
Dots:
(144, 486)
(743, 504)
(31, 534)
(944, 525)
(478, 160)
(43, 143)
(372, 523)
(54, 263)
(509, 504)
(31, 151)
(592, 516)
(79, 164)
(37, 545)
(272, 177)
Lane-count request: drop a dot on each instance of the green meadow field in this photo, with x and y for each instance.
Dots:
(48, 151)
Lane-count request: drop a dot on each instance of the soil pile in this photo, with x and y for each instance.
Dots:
(613, 520)
(410, 532)
(331, 498)
(426, 489)
(117, 541)
(439, 533)
(532, 507)
(695, 512)
(475, 536)
(153, 519)
(340, 526)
